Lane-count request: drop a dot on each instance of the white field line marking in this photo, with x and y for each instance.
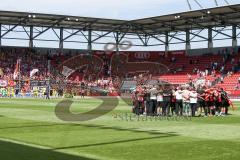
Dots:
(24, 143)
(50, 149)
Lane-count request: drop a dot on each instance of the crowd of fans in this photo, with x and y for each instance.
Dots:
(48, 63)
(30, 59)
(93, 73)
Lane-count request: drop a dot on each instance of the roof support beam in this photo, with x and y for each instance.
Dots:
(143, 42)
(85, 35)
(117, 50)
(234, 36)
(56, 22)
(117, 42)
(90, 41)
(26, 31)
(102, 36)
(147, 38)
(55, 33)
(41, 32)
(189, 5)
(216, 2)
(61, 40)
(11, 29)
(73, 34)
(199, 4)
(226, 1)
(210, 38)
(121, 38)
(174, 37)
(166, 42)
(31, 37)
(219, 30)
(115, 28)
(238, 35)
(151, 35)
(197, 35)
(202, 26)
(188, 44)
(158, 39)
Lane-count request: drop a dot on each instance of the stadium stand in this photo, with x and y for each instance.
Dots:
(107, 71)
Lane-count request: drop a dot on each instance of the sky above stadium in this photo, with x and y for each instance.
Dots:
(115, 9)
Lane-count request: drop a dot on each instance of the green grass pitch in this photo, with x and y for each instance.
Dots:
(29, 130)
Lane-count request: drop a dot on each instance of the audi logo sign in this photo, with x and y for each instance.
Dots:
(142, 55)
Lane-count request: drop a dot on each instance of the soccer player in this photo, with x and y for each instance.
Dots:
(225, 102)
(159, 100)
(153, 100)
(82, 92)
(48, 92)
(173, 102)
(146, 98)
(186, 101)
(179, 102)
(166, 101)
(201, 101)
(193, 101)
(217, 102)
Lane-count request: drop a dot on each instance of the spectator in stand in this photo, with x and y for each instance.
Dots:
(215, 65)
(189, 77)
(173, 59)
(222, 69)
(213, 73)
(208, 83)
(195, 70)
(222, 79)
(229, 73)
(232, 61)
(224, 60)
(237, 86)
(190, 61)
(206, 72)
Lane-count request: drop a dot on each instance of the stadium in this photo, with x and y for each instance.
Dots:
(81, 87)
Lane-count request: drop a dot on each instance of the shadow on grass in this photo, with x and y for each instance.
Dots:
(13, 151)
(153, 134)
(162, 135)
(93, 126)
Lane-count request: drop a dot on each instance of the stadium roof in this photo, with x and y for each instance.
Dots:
(213, 17)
